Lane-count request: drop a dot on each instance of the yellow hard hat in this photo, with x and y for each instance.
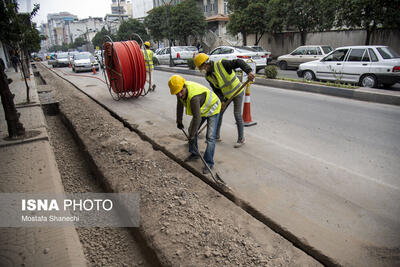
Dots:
(147, 44)
(200, 59)
(175, 84)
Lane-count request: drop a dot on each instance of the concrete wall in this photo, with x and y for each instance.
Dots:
(284, 43)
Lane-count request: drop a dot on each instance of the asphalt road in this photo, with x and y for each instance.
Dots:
(324, 168)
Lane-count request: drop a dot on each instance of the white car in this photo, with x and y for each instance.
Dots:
(239, 52)
(368, 66)
(84, 61)
(261, 49)
(62, 60)
(179, 54)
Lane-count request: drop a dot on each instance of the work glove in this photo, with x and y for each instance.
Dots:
(180, 126)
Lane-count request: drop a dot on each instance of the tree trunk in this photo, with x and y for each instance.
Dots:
(370, 30)
(258, 38)
(15, 128)
(244, 38)
(303, 37)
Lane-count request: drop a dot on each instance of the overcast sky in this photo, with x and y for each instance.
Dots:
(81, 8)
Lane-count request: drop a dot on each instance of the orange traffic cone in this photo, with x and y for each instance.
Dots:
(94, 69)
(246, 109)
(69, 64)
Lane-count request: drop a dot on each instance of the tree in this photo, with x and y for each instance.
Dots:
(99, 37)
(368, 15)
(255, 16)
(308, 15)
(187, 20)
(78, 42)
(155, 23)
(127, 29)
(238, 19)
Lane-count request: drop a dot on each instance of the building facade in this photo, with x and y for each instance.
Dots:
(140, 8)
(121, 7)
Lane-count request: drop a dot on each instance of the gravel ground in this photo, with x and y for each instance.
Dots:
(102, 246)
(183, 220)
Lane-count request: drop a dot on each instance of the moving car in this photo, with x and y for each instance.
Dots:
(84, 61)
(303, 54)
(242, 52)
(368, 66)
(260, 49)
(179, 54)
(62, 60)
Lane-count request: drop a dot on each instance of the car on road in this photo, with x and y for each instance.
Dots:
(261, 49)
(368, 66)
(84, 61)
(303, 54)
(71, 56)
(239, 52)
(62, 60)
(179, 54)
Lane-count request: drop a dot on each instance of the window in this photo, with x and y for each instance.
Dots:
(327, 49)
(365, 57)
(225, 6)
(372, 54)
(319, 51)
(216, 51)
(299, 51)
(338, 55)
(387, 53)
(311, 51)
(356, 55)
(226, 50)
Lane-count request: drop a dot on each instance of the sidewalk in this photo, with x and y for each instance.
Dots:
(382, 96)
(28, 165)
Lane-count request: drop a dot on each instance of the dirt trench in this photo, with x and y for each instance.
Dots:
(183, 220)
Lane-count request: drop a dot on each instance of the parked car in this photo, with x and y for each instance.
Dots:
(71, 56)
(303, 54)
(179, 54)
(84, 61)
(242, 52)
(368, 66)
(62, 60)
(261, 49)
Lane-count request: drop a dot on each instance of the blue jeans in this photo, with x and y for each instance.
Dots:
(212, 123)
(237, 112)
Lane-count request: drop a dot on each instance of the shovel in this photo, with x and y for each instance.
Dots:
(215, 177)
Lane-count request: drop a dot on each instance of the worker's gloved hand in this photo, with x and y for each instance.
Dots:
(251, 76)
(180, 126)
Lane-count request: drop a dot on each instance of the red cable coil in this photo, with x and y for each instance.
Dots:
(125, 68)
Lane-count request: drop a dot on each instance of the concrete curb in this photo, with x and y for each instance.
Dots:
(356, 94)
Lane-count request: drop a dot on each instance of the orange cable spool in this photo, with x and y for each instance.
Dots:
(125, 69)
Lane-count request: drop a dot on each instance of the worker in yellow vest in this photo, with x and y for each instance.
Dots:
(204, 105)
(222, 78)
(148, 59)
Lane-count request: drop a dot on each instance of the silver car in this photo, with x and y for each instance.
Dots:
(179, 54)
(303, 54)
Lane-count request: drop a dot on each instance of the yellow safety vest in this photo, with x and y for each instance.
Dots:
(228, 83)
(148, 58)
(212, 104)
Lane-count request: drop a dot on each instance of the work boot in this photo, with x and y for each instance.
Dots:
(240, 143)
(206, 170)
(192, 157)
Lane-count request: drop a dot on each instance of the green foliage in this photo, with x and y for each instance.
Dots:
(78, 42)
(98, 38)
(368, 14)
(156, 23)
(16, 29)
(191, 64)
(56, 48)
(248, 17)
(187, 19)
(128, 28)
(271, 72)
